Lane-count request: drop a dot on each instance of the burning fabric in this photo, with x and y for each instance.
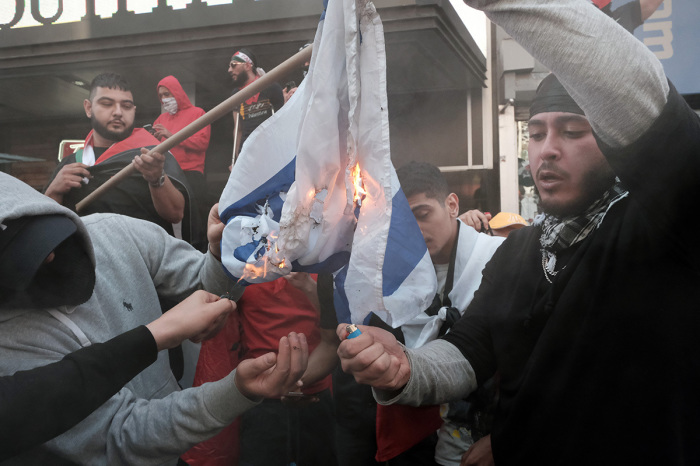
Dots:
(335, 201)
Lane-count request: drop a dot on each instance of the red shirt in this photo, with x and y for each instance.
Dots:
(191, 152)
(269, 311)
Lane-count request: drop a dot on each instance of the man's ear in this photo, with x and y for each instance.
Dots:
(87, 105)
(452, 205)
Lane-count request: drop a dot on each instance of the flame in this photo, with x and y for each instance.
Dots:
(359, 185)
(253, 272)
(280, 264)
(270, 256)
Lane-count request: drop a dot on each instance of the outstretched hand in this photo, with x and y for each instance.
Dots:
(274, 375)
(374, 358)
(198, 317)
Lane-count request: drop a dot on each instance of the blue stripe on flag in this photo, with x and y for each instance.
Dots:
(405, 245)
(242, 253)
(279, 182)
(330, 265)
(276, 204)
(340, 299)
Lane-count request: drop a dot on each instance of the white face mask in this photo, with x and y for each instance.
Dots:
(170, 105)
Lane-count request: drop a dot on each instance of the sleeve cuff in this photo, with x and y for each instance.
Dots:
(224, 401)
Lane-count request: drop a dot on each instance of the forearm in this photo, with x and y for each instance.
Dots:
(175, 267)
(168, 201)
(213, 276)
(155, 431)
(133, 430)
(311, 293)
(56, 196)
(439, 373)
(199, 141)
(615, 79)
(51, 391)
(321, 362)
(50, 188)
(183, 270)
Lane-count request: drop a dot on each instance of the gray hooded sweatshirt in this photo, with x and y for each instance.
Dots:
(150, 421)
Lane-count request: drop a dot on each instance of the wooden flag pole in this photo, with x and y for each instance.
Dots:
(224, 108)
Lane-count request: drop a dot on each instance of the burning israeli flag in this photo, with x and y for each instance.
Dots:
(314, 189)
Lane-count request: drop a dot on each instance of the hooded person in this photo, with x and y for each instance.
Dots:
(178, 113)
(69, 282)
(190, 154)
(46, 261)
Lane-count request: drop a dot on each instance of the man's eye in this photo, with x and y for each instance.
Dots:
(537, 136)
(574, 134)
(127, 106)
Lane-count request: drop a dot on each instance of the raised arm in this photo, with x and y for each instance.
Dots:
(615, 78)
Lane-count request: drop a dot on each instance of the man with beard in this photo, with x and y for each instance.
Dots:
(243, 69)
(157, 193)
(584, 317)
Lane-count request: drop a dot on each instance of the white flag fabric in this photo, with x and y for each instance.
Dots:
(474, 250)
(314, 189)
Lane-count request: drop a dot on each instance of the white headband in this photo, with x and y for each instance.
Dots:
(243, 57)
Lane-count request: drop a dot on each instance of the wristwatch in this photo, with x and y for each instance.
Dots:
(160, 182)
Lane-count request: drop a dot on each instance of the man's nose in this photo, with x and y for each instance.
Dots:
(551, 147)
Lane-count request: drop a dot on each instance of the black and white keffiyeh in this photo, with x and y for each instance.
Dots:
(559, 234)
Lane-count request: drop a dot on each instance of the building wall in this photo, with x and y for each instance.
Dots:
(437, 78)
